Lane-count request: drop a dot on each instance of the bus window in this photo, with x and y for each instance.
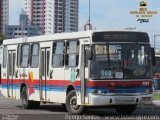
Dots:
(14, 62)
(43, 63)
(4, 56)
(18, 55)
(115, 52)
(25, 55)
(10, 64)
(73, 53)
(1, 53)
(58, 54)
(34, 55)
(48, 59)
(86, 56)
(120, 61)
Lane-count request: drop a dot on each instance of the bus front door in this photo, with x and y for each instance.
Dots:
(84, 74)
(11, 73)
(44, 68)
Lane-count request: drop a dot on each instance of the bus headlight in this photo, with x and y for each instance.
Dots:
(96, 92)
(147, 91)
(99, 91)
(93, 91)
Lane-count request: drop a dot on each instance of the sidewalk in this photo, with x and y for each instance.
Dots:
(157, 102)
(155, 105)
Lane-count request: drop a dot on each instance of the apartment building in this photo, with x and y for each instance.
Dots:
(53, 16)
(4, 14)
(23, 29)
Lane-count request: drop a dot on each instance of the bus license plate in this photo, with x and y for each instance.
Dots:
(124, 100)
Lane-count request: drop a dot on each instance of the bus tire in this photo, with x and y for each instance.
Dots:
(126, 109)
(28, 104)
(71, 104)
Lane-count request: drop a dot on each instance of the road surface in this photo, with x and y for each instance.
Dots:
(12, 110)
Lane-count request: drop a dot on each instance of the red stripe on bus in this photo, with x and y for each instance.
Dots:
(48, 82)
(118, 83)
(77, 82)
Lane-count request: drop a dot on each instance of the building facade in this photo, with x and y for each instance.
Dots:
(53, 16)
(23, 29)
(4, 14)
(0, 16)
(71, 15)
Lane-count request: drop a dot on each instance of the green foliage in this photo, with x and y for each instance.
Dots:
(156, 96)
(2, 36)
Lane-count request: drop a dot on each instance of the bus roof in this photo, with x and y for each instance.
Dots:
(57, 36)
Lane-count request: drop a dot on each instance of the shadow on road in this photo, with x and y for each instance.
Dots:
(151, 109)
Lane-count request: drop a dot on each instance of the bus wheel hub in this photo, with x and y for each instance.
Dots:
(73, 102)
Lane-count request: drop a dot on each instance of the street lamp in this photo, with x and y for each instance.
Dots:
(155, 40)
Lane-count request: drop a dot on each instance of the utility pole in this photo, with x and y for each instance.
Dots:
(88, 25)
(89, 12)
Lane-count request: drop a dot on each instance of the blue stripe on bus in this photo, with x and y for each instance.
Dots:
(120, 90)
(90, 89)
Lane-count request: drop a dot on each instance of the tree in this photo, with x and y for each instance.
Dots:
(2, 37)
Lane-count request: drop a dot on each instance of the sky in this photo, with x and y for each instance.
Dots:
(108, 15)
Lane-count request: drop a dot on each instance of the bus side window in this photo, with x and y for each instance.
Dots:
(73, 53)
(25, 55)
(66, 53)
(34, 55)
(9, 64)
(18, 55)
(86, 56)
(4, 56)
(58, 54)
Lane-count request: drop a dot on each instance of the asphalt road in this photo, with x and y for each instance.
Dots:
(12, 110)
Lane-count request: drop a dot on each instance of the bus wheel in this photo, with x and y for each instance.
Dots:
(28, 104)
(125, 109)
(71, 104)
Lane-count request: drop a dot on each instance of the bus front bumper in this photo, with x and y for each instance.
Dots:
(101, 100)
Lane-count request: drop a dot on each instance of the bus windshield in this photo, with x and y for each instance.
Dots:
(120, 61)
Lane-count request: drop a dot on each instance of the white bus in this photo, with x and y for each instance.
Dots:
(100, 68)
